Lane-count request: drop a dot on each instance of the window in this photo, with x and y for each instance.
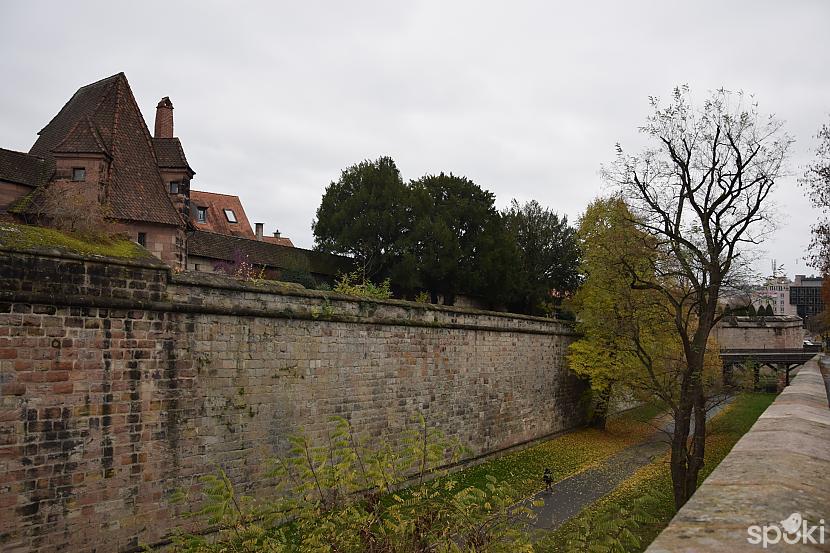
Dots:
(79, 173)
(197, 267)
(174, 187)
(230, 215)
(142, 238)
(201, 214)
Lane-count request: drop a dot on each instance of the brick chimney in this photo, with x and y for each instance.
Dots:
(164, 118)
(276, 234)
(259, 230)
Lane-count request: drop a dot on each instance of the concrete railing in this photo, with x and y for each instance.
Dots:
(775, 479)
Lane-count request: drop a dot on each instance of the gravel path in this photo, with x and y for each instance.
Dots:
(569, 496)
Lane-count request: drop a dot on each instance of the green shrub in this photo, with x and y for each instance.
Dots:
(356, 284)
(345, 495)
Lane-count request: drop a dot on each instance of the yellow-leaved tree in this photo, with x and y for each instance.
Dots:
(629, 338)
(626, 333)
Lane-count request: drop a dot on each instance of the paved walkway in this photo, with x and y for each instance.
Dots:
(569, 496)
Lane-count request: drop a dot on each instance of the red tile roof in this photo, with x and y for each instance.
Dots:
(82, 139)
(216, 220)
(222, 247)
(282, 240)
(103, 117)
(22, 168)
(170, 154)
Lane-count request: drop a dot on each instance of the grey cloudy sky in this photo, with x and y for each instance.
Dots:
(274, 99)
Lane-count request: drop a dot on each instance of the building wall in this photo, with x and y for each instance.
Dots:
(121, 383)
(95, 166)
(181, 199)
(805, 296)
(11, 192)
(163, 241)
(760, 333)
(776, 293)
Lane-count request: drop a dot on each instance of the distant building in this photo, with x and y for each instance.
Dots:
(224, 214)
(750, 333)
(805, 296)
(99, 144)
(775, 292)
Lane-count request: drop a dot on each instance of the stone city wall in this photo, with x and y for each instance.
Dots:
(121, 382)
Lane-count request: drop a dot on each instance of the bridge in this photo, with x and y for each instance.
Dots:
(776, 342)
(781, 360)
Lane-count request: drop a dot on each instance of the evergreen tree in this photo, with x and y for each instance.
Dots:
(548, 255)
(365, 214)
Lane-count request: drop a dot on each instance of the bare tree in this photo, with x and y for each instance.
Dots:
(701, 195)
(816, 179)
(73, 209)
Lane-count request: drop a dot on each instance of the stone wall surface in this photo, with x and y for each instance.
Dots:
(121, 382)
(755, 333)
(776, 473)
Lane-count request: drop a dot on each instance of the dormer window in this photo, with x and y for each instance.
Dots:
(174, 187)
(79, 174)
(230, 216)
(201, 214)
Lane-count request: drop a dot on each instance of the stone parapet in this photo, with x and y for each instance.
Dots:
(778, 469)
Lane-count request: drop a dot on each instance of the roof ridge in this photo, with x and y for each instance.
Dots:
(214, 193)
(103, 97)
(99, 81)
(115, 113)
(22, 153)
(69, 101)
(270, 243)
(96, 134)
(91, 127)
(147, 137)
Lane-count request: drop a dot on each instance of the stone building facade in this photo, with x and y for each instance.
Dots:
(98, 145)
(759, 333)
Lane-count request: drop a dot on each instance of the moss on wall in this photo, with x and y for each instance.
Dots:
(20, 237)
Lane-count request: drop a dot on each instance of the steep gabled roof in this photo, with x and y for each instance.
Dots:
(88, 100)
(105, 115)
(22, 168)
(216, 220)
(222, 247)
(82, 139)
(170, 154)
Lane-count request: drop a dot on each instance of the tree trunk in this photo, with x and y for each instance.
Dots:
(679, 453)
(687, 458)
(599, 414)
(698, 445)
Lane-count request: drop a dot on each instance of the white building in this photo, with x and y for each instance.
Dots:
(776, 293)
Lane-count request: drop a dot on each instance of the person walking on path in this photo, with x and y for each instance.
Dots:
(548, 478)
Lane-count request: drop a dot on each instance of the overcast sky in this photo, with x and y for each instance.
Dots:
(525, 98)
